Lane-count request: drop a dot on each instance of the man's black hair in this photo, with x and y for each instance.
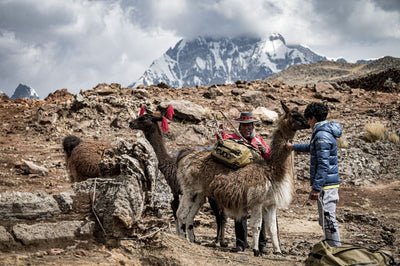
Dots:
(318, 110)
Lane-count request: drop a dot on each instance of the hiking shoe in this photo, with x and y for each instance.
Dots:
(237, 249)
(263, 250)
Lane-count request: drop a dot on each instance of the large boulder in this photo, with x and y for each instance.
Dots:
(265, 115)
(253, 97)
(6, 239)
(325, 91)
(119, 203)
(185, 110)
(51, 233)
(26, 205)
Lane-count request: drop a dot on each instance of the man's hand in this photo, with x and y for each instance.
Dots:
(262, 149)
(314, 194)
(221, 128)
(289, 146)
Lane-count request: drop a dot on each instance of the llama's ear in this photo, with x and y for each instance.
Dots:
(285, 108)
(148, 110)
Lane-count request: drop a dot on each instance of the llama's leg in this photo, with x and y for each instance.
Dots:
(197, 201)
(221, 222)
(255, 225)
(221, 231)
(174, 207)
(269, 215)
(188, 208)
(183, 212)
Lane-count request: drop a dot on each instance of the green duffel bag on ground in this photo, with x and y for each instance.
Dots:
(234, 153)
(323, 254)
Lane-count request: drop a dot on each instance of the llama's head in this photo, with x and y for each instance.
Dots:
(148, 121)
(293, 119)
(69, 143)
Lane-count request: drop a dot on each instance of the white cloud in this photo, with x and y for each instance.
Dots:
(94, 42)
(76, 44)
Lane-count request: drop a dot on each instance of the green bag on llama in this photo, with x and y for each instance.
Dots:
(323, 254)
(234, 153)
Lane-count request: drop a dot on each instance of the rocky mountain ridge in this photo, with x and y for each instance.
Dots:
(206, 60)
(3, 93)
(24, 91)
(340, 72)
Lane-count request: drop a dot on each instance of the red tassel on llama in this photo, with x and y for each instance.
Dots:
(164, 122)
(142, 109)
(170, 112)
(164, 125)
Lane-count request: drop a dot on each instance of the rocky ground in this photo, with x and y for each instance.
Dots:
(368, 212)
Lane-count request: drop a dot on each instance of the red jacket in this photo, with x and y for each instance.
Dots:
(256, 141)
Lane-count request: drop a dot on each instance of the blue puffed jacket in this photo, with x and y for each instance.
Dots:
(324, 170)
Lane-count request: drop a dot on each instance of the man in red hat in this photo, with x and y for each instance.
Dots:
(247, 132)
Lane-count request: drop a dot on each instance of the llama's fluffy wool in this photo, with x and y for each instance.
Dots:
(236, 190)
(170, 166)
(257, 188)
(83, 162)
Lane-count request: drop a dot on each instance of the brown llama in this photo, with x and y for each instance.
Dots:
(258, 188)
(168, 165)
(83, 157)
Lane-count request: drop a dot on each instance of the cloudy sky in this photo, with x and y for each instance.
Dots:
(76, 44)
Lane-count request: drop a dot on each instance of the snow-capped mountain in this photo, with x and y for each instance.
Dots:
(3, 93)
(206, 61)
(24, 91)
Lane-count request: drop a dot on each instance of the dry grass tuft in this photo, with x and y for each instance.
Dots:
(375, 131)
(394, 138)
(342, 143)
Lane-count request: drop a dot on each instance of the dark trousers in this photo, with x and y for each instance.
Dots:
(241, 234)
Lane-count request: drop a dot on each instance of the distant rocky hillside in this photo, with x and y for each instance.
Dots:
(24, 91)
(381, 73)
(387, 81)
(3, 93)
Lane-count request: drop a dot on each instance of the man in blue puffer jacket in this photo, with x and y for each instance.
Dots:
(324, 170)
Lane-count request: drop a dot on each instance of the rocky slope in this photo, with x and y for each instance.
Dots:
(352, 74)
(32, 130)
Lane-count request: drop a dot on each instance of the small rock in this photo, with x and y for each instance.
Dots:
(55, 251)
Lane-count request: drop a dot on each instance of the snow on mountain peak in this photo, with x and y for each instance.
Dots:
(213, 60)
(24, 91)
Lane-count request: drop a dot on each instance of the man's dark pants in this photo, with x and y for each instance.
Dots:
(241, 234)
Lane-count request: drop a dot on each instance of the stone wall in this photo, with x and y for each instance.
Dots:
(105, 207)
